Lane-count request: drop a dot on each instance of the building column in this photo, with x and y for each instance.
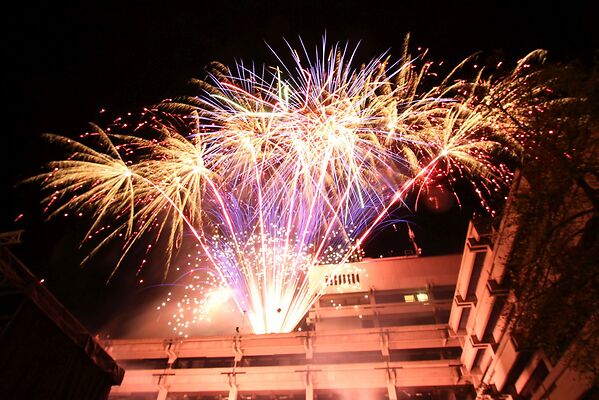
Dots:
(162, 393)
(162, 387)
(233, 392)
(308, 346)
(171, 347)
(232, 387)
(384, 342)
(391, 378)
(309, 387)
(237, 348)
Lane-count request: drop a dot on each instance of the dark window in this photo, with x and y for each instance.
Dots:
(353, 300)
(326, 303)
(477, 268)
(443, 316)
(464, 318)
(367, 323)
(494, 317)
(348, 357)
(403, 296)
(204, 362)
(437, 353)
(522, 360)
(535, 380)
(273, 360)
(478, 358)
(148, 363)
(443, 292)
(344, 394)
(450, 353)
(344, 300)
(389, 298)
(407, 319)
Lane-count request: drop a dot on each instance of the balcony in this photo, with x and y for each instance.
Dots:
(497, 289)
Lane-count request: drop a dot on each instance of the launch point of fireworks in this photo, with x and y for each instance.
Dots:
(274, 171)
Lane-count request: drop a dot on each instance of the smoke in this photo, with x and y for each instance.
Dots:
(144, 320)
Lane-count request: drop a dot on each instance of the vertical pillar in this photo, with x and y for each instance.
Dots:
(162, 392)
(233, 392)
(232, 377)
(384, 341)
(232, 387)
(237, 348)
(162, 387)
(171, 347)
(309, 387)
(391, 392)
(308, 346)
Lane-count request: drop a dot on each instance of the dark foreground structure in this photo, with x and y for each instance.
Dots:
(45, 353)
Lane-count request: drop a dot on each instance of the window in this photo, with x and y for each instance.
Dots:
(402, 296)
(443, 292)
(348, 357)
(352, 299)
(464, 319)
(443, 316)
(147, 363)
(535, 380)
(367, 322)
(407, 319)
(204, 362)
(479, 261)
(478, 359)
(437, 353)
(494, 317)
(273, 360)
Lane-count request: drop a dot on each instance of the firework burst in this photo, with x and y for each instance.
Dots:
(275, 171)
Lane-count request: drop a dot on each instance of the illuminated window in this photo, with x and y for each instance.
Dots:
(409, 298)
(422, 297)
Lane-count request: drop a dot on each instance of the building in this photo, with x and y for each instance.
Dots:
(391, 328)
(492, 356)
(45, 353)
(382, 327)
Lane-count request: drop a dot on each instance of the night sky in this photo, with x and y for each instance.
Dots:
(64, 64)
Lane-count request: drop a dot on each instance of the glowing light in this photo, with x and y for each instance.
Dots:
(422, 297)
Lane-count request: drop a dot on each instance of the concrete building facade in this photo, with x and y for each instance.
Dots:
(391, 328)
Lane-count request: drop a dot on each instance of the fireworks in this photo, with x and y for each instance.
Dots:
(274, 171)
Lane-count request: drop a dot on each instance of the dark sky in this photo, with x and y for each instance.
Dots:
(63, 64)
